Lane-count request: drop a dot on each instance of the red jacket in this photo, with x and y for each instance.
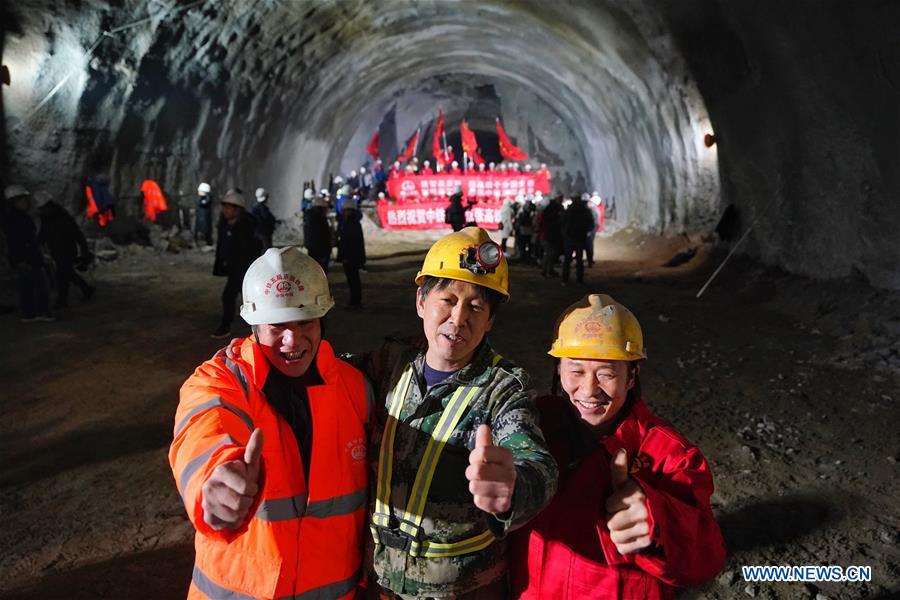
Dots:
(566, 551)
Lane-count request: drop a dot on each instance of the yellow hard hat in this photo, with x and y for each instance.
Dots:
(468, 255)
(598, 327)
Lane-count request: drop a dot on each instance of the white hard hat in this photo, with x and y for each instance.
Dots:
(353, 173)
(454, 164)
(527, 166)
(203, 188)
(261, 194)
(234, 197)
(14, 191)
(338, 180)
(308, 193)
(362, 169)
(283, 285)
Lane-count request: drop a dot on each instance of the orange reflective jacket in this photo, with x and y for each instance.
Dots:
(304, 538)
(154, 201)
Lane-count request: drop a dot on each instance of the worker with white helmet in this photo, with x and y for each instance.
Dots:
(595, 204)
(632, 510)
(269, 449)
(265, 220)
(203, 215)
(317, 232)
(236, 247)
(461, 460)
(25, 255)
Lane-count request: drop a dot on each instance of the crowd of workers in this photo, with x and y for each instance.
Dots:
(46, 254)
(426, 468)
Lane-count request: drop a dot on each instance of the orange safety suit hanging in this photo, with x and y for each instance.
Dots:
(154, 201)
(302, 539)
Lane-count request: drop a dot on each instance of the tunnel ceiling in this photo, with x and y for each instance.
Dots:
(273, 93)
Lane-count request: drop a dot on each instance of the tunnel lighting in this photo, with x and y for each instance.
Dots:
(709, 140)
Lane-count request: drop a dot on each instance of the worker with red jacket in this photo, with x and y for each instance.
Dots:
(269, 449)
(631, 518)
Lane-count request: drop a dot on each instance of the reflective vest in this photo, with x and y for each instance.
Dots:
(403, 528)
(304, 538)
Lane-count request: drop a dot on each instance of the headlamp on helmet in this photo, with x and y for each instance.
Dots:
(481, 259)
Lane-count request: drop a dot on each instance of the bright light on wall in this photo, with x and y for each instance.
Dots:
(22, 55)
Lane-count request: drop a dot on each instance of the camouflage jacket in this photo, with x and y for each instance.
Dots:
(505, 401)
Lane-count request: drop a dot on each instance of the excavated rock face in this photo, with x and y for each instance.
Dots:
(607, 92)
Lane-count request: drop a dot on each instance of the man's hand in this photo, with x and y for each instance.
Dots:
(628, 517)
(232, 351)
(491, 474)
(230, 490)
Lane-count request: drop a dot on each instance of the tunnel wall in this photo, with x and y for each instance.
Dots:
(801, 96)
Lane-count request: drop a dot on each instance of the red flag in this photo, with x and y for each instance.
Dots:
(410, 147)
(469, 143)
(436, 142)
(508, 150)
(372, 148)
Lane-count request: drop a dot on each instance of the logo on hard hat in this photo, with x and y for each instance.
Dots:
(408, 186)
(592, 327)
(282, 286)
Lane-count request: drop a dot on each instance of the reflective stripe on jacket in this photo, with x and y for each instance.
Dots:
(566, 552)
(303, 539)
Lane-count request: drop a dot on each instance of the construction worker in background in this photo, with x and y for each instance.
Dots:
(308, 196)
(595, 203)
(460, 458)
(632, 516)
(236, 247)
(269, 449)
(68, 248)
(203, 215)
(265, 220)
(352, 252)
(317, 233)
(25, 255)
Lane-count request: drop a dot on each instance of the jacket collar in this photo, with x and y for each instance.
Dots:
(476, 373)
(253, 356)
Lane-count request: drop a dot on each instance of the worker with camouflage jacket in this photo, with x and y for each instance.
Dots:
(458, 459)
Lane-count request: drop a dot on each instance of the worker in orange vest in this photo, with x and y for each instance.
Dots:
(269, 450)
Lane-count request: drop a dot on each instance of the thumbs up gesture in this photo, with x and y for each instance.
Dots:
(626, 508)
(230, 490)
(491, 473)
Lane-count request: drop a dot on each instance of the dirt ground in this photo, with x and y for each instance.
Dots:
(791, 388)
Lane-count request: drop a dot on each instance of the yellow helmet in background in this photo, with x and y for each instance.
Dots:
(468, 255)
(598, 327)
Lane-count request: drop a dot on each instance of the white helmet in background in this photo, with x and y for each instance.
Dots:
(283, 285)
(308, 194)
(203, 189)
(261, 194)
(14, 191)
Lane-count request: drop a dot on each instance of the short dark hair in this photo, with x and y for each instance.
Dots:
(493, 298)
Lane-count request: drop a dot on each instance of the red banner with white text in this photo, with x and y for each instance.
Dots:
(481, 186)
(430, 215)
